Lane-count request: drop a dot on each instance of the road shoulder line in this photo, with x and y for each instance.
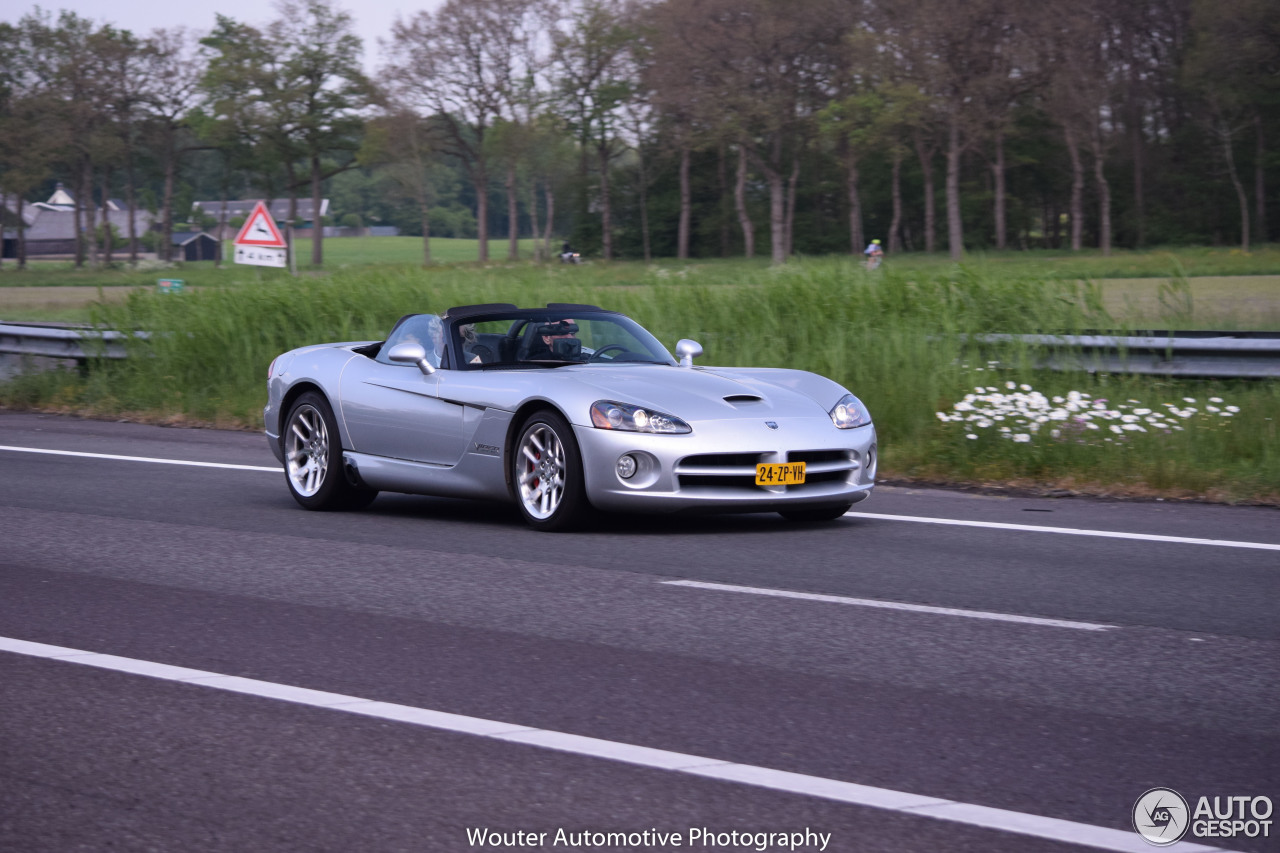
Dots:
(1054, 829)
(140, 459)
(1068, 531)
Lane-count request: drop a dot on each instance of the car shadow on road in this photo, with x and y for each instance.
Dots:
(480, 514)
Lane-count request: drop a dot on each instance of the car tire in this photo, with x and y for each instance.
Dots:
(825, 513)
(313, 463)
(546, 474)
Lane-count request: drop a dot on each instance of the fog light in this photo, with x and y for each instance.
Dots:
(627, 467)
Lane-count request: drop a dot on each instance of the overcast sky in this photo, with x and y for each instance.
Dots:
(372, 18)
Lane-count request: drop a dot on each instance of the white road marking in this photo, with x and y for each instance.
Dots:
(894, 605)
(995, 525)
(1070, 531)
(1002, 820)
(275, 470)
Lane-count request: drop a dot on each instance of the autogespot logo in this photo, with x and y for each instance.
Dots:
(1160, 816)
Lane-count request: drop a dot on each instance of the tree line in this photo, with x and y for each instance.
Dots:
(638, 128)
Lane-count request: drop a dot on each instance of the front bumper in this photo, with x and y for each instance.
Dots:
(269, 419)
(713, 469)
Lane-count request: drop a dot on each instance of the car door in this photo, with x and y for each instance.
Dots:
(394, 410)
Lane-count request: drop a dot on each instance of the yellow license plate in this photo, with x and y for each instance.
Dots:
(786, 474)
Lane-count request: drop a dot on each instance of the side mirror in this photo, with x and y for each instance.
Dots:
(411, 354)
(688, 350)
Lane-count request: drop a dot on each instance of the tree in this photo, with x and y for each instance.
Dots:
(33, 131)
(1079, 93)
(238, 114)
(173, 71)
(297, 104)
(1233, 68)
(125, 64)
(400, 144)
(962, 54)
(463, 64)
(762, 69)
(323, 85)
(63, 61)
(596, 76)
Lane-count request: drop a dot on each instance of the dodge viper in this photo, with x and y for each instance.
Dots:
(562, 410)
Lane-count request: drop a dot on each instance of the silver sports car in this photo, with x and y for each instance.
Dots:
(561, 409)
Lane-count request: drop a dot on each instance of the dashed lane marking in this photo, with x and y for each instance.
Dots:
(894, 605)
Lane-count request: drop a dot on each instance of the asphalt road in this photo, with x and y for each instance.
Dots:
(1157, 668)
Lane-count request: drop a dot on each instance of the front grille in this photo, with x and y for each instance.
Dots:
(824, 466)
(737, 471)
(719, 470)
(722, 460)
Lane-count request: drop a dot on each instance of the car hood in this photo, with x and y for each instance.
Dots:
(713, 393)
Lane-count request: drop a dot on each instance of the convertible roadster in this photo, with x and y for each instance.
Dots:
(561, 409)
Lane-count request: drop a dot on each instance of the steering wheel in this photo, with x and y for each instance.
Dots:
(607, 348)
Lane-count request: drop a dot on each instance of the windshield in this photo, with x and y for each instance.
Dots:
(554, 339)
(426, 330)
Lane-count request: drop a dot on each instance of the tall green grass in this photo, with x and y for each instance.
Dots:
(896, 338)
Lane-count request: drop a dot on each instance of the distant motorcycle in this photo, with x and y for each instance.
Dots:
(570, 258)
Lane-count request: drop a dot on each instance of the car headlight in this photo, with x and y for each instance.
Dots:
(606, 414)
(850, 413)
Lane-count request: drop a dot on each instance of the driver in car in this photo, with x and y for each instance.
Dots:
(556, 341)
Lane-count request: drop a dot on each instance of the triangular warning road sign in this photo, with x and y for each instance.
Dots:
(260, 230)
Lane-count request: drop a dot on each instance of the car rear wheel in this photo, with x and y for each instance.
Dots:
(313, 458)
(826, 513)
(547, 474)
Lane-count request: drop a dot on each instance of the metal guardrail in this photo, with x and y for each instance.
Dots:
(1201, 354)
(62, 341)
(1223, 355)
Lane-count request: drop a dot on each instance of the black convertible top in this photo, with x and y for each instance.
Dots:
(506, 308)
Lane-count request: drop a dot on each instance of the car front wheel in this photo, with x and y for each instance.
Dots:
(547, 474)
(313, 458)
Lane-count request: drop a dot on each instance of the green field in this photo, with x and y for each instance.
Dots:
(895, 337)
(1223, 287)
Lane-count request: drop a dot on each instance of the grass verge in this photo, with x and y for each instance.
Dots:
(893, 337)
